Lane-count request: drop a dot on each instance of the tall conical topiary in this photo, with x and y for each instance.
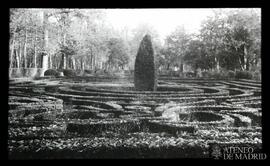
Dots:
(145, 69)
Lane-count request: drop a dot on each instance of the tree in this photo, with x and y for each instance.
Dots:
(44, 37)
(137, 34)
(196, 55)
(145, 69)
(26, 36)
(176, 47)
(232, 38)
(117, 53)
(212, 34)
(168, 56)
(45, 40)
(69, 50)
(244, 36)
(87, 28)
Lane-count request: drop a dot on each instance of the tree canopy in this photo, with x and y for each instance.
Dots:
(82, 39)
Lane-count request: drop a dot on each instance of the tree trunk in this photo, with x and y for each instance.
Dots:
(94, 62)
(17, 58)
(168, 66)
(258, 63)
(217, 64)
(73, 63)
(46, 32)
(11, 57)
(25, 49)
(49, 61)
(20, 54)
(45, 42)
(44, 61)
(64, 57)
(13, 47)
(101, 65)
(91, 60)
(12, 53)
(241, 64)
(63, 62)
(181, 67)
(246, 65)
(35, 49)
(82, 64)
(68, 63)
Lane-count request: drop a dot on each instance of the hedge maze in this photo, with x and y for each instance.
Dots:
(94, 117)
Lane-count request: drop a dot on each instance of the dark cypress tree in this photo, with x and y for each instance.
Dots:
(145, 69)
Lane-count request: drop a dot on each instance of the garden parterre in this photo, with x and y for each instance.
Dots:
(106, 118)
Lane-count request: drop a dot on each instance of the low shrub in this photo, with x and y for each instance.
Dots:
(128, 72)
(88, 71)
(205, 74)
(231, 74)
(219, 75)
(212, 74)
(243, 75)
(25, 72)
(69, 73)
(169, 73)
(257, 75)
(51, 72)
(223, 74)
(190, 74)
(226, 74)
(101, 72)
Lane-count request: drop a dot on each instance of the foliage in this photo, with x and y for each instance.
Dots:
(51, 72)
(243, 75)
(228, 40)
(223, 74)
(145, 69)
(197, 57)
(69, 49)
(78, 34)
(257, 75)
(88, 71)
(69, 73)
(117, 53)
(231, 74)
(175, 48)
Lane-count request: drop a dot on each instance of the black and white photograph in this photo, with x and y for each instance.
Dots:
(135, 83)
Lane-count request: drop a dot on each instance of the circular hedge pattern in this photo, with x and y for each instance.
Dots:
(59, 115)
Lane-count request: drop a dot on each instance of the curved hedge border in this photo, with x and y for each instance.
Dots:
(95, 111)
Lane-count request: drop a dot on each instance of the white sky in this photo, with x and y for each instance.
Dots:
(164, 21)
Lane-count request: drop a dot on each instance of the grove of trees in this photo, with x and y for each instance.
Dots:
(82, 39)
(63, 39)
(229, 40)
